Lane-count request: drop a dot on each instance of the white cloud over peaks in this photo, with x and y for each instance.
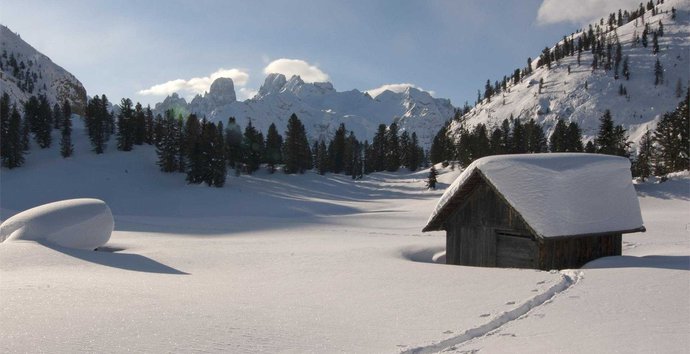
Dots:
(196, 85)
(579, 12)
(395, 88)
(289, 67)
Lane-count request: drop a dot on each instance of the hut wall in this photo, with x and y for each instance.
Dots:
(574, 252)
(485, 231)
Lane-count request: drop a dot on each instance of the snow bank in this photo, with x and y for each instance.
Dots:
(75, 223)
(559, 194)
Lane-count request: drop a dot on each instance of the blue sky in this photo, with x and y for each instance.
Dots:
(146, 49)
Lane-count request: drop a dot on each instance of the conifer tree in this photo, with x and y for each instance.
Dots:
(519, 137)
(557, 141)
(441, 146)
(392, 148)
(57, 116)
(590, 148)
(274, 147)
(573, 141)
(125, 126)
(404, 147)
(12, 146)
(642, 167)
(413, 153)
(431, 178)
(96, 124)
(196, 158)
(5, 124)
(139, 125)
(296, 151)
(66, 147)
(150, 126)
(658, 73)
(218, 166)
(322, 163)
(336, 150)
(169, 144)
(378, 149)
(253, 147)
(233, 143)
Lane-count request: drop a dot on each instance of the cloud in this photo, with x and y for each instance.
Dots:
(245, 93)
(196, 85)
(289, 67)
(394, 88)
(580, 12)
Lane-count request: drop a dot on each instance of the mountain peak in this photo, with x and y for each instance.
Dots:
(272, 84)
(222, 91)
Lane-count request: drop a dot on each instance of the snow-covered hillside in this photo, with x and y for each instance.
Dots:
(310, 263)
(26, 72)
(320, 108)
(583, 95)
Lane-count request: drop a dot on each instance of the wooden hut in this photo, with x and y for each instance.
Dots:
(542, 211)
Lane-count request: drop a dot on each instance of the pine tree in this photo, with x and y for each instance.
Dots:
(66, 147)
(655, 43)
(590, 148)
(42, 124)
(233, 143)
(404, 147)
(218, 166)
(378, 146)
(336, 150)
(671, 136)
(139, 125)
(441, 146)
(573, 141)
(150, 126)
(57, 116)
(13, 150)
(536, 140)
(274, 146)
(253, 147)
(5, 124)
(557, 140)
(322, 162)
(412, 154)
(125, 126)
(519, 137)
(658, 73)
(168, 144)
(195, 155)
(296, 151)
(96, 124)
(642, 167)
(392, 148)
(431, 179)
(605, 140)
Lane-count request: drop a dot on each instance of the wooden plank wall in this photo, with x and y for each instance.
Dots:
(574, 252)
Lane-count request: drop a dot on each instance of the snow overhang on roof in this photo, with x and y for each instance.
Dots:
(559, 194)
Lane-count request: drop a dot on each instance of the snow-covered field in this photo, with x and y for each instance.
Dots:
(278, 263)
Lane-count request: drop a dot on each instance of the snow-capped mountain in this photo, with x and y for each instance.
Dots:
(320, 107)
(582, 95)
(24, 72)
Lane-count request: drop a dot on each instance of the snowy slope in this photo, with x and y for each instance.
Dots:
(52, 80)
(320, 108)
(285, 263)
(564, 95)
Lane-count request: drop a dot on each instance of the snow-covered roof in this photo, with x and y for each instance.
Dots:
(560, 194)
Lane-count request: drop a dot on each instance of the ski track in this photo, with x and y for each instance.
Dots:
(568, 279)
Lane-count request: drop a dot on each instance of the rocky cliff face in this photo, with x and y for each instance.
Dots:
(25, 72)
(320, 107)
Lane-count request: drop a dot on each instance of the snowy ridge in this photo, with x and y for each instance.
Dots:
(564, 94)
(321, 108)
(56, 83)
(568, 279)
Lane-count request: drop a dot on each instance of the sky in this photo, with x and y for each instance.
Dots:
(145, 50)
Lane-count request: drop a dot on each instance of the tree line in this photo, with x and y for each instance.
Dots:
(664, 150)
(205, 150)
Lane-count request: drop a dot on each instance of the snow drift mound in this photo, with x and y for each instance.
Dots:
(75, 223)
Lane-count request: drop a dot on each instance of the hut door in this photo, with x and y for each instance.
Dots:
(515, 249)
